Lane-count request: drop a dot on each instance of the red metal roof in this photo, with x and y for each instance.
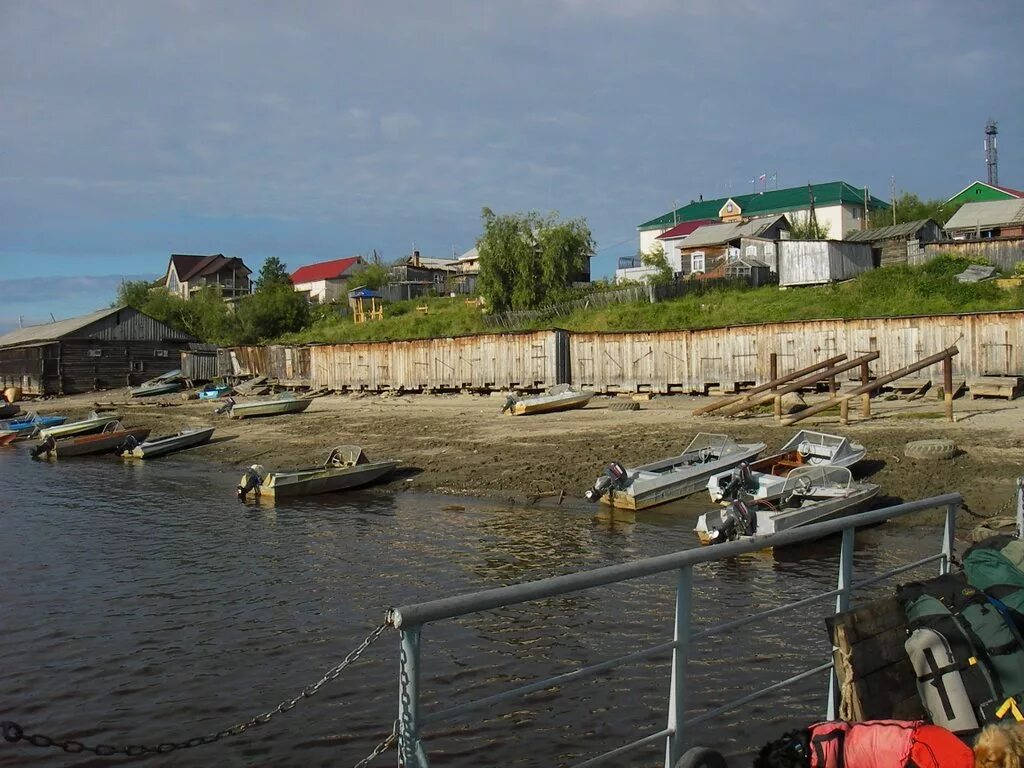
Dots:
(686, 228)
(1009, 190)
(325, 270)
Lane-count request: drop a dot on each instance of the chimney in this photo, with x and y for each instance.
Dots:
(415, 258)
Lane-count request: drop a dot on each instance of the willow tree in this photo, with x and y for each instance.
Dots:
(527, 260)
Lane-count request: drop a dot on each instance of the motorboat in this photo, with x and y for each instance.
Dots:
(347, 466)
(94, 422)
(766, 477)
(28, 424)
(109, 440)
(669, 479)
(812, 494)
(562, 397)
(161, 446)
(7, 410)
(159, 388)
(7, 436)
(214, 391)
(284, 402)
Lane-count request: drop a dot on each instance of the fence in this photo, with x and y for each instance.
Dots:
(1002, 252)
(411, 619)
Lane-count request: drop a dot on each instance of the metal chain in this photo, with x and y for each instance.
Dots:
(381, 748)
(13, 732)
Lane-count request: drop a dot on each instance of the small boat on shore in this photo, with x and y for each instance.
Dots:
(28, 424)
(669, 479)
(109, 440)
(161, 446)
(94, 422)
(214, 391)
(161, 385)
(562, 397)
(285, 402)
(811, 495)
(766, 477)
(7, 410)
(347, 466)
(7, 436)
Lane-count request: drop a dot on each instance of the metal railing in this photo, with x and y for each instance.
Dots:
(410, 619)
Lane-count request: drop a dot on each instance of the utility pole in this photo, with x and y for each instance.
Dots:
(892, 187)
(864, 224)
(812, 218)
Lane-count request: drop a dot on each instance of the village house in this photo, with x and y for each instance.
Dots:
(187, 274)
(326, 281)
(837, 205)
(707, 252)
(899, 243)
(417, 276)
(632, 269)
(983, 221)
(980, 192)
(110, 348)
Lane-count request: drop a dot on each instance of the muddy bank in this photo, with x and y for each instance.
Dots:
(462, 444)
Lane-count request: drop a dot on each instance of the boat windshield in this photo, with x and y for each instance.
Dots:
(808, 481)
(710, 444)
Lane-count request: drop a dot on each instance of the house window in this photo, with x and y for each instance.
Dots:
(697, 262)
(137, 366)
(159, 353)
(95, 353)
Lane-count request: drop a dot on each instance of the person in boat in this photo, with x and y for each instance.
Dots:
(869, 744)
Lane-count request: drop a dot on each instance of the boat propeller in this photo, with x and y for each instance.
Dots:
(251, 481)
(614, 477)
(741, 480)
(510, 403)
(228, 402)
(734, 521)
(44, 447)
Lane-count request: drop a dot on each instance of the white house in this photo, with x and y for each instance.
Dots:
(326, 281)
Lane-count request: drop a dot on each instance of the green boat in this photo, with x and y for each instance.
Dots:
(283, 403)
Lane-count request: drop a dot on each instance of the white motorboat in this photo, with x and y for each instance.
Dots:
(161, 446)
(94, 422)
(562, 397)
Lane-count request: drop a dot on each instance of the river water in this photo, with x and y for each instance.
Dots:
(142, 603)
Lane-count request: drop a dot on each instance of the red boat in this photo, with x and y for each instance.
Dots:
(109, 440)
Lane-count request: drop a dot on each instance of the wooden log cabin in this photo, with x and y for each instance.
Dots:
(111, 348)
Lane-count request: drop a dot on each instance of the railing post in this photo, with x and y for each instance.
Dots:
(677, 691)
(844, 585)
(948, 533)
(410, 753)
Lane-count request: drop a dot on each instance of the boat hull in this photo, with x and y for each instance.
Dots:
(321, 480)
(269, 408)
(83, 427)
(8, 436)
(8, 410)
(162, 447)
(531, 406)
(213, 394)
(87, 445)
(156, 389)
(650, 491)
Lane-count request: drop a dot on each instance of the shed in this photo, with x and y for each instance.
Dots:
(813, 262)
(199, 362)
(899, 243)
(113, 347)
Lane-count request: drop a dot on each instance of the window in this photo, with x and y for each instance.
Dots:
(137, 366)
(697, 262)
(159, 353)
(95, 353)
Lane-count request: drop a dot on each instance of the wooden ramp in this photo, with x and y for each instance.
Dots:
(876, 678)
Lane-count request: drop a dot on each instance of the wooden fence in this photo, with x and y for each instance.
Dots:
(1001, 252)
(683, 361)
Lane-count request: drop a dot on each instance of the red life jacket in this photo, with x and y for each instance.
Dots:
(886, 744)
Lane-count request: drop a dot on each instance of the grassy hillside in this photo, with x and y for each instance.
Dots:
(890, 291)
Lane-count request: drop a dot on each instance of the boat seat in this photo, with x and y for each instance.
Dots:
(784, 464)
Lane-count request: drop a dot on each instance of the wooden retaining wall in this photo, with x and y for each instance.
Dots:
(990, 343)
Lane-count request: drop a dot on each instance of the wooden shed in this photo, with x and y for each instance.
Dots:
(900, 243)
(813, 262)
(114, 347)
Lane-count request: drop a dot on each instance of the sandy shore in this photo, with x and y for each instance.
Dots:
(462, 444)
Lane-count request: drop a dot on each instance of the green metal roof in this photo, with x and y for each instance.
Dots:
(763, 203)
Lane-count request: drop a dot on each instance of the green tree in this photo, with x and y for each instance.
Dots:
(656, 259)
(805, 229)
(373, 275)
(909, 207)
(270, 312)
(134, 293)
(527, 260)
(273, 272)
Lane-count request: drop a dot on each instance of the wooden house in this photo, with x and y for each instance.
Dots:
(107, 349)
(899, 243)
(187, 274)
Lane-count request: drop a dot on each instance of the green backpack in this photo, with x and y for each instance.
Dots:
(996, 566)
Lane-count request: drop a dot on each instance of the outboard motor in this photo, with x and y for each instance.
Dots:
(44, 447)
(510, 403)
(228, 402)
(733, 521)
(251, 481)
(740, 480)
(614, 477)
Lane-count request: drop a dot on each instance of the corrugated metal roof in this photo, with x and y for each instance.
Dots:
(772, 201)
(718, 234)
(68, 328)
(325, 270)
(686, 228)
(986, 215)
(906, 229)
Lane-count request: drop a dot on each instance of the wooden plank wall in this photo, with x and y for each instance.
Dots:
(1002, 252)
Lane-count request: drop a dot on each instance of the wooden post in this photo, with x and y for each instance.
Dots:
(865, 400)
(773, 370)
(947, 385)
(832, 386)
(844, 411)
(778, 407)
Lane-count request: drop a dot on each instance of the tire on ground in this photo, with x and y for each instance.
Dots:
(701, 757)
(626, 405)
(930, 450)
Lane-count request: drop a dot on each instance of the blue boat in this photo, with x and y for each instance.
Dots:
(212, 392)
(30, 423)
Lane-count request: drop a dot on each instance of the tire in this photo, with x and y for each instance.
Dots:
(627, 405)
(701, 757)
(930, 450)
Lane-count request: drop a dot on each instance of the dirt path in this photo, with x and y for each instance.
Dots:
(462, 444)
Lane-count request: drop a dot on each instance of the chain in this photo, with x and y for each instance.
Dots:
(381, 748)
(13, 732)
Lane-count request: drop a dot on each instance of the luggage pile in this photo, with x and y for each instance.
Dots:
(966, 639)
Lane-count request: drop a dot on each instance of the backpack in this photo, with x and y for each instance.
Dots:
(996, 566)
(966, 651)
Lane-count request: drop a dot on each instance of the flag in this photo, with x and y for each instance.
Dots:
(775, 177)
(762, 177)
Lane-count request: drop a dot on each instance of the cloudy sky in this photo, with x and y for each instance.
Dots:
(314, 130)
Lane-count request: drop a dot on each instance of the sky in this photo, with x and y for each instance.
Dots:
(317, 130)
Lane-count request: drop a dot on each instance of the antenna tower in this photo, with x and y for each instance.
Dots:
(991, 155)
